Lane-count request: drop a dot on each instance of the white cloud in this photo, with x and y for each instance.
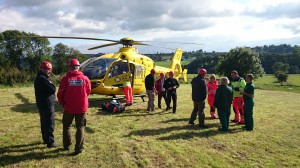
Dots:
(219, 24)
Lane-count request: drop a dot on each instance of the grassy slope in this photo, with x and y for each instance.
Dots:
(269, 82)
(167, 64)
(160, 139)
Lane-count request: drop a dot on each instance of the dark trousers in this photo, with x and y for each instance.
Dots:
(198, 110)
(160, 96)
(224, 118)
(174, 99)
(248, 112)
(80, 122)
(47, 125)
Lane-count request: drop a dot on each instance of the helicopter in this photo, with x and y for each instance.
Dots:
(107, 73)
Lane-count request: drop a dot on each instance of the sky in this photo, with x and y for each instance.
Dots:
(219, 25)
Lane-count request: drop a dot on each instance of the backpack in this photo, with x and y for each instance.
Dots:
(113, 107)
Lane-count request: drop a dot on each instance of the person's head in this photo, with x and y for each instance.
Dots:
(249, 78)
(202, 72)
(212, 78)
(152, 71)
(171, 74)
(162, 75)
(224, 81)
(46, 67)
(234, 74)
(73, 65)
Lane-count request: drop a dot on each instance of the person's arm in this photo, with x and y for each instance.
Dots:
(88, 86)
(249, 92)
(61, 92)
(217, 98)
(50, 88)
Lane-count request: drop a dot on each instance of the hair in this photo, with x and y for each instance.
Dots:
(73, 68)
(224, 81)
(212, 76)
(250, 76)
(234, 72)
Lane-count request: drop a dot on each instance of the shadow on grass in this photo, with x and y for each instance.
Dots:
(15, 154)
(28, 107)
(191, 131)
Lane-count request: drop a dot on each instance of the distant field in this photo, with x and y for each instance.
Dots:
(269, 82)
(136, 138)
(167, 64)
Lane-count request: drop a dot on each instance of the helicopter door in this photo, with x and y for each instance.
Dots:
(138, 79)
(118, 74)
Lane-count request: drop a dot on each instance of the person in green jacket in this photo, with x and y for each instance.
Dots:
(223, 101)
(248, 95)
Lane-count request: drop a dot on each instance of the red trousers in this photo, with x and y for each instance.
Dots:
(238, 108)
(128, 95)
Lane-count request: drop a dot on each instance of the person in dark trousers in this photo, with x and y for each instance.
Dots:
(248, 96)
(73, 93)
(199, 94)
(171, 85)
(161, 92)
(45, 98)
(150, 90)
(223, 101)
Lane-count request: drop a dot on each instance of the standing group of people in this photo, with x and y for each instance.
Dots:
(221, 97)
(75, 88)
(165, 88)
(73, 93)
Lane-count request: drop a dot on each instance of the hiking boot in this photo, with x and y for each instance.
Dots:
(53, 145)
(203, 126)
(191, 123)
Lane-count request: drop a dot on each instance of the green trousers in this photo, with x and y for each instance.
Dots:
(224, 118)
(248, 111)
(80, 123)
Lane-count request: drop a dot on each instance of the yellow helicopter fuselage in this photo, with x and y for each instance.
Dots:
(108, 73)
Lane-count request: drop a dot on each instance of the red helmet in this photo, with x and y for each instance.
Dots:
(152, 71)
(46, 65)
(162, 74)
(171, 73)
(73, 62)
(202, 71)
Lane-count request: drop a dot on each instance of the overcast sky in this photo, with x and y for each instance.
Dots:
(219, 24)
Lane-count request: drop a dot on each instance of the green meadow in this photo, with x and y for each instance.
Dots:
(136, 138)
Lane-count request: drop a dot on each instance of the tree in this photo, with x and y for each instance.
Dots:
(243, 60)
(62, 54)
(280, 66)
(38, 50)
(281, 77)
(14, 47)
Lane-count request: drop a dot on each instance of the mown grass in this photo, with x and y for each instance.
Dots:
(270, 82)
(136, 138)
(167, 63)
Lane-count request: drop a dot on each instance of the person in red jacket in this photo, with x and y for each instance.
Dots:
(160, 89)
(73, 94)
(212, 86)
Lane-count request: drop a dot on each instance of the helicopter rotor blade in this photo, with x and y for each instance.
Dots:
(171, 42)
(105, 45)
(81, 38)
(160, 47)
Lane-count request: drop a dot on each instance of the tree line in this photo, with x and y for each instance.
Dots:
(22, 52)
(20, 56)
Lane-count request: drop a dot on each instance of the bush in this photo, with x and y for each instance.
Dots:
(13, 76)
(281, 76)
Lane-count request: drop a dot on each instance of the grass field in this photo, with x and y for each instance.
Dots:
(167, 64)
(136, 138)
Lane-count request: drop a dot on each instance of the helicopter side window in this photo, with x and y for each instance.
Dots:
(96, 69)
(139, 71)
(118, 69)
